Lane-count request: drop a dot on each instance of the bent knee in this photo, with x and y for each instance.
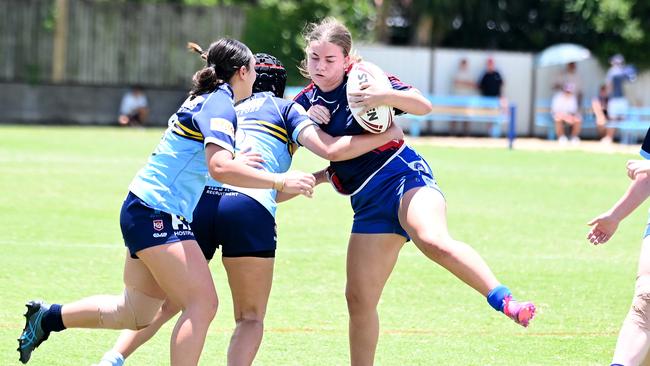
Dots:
(640, 309)
(437, 246)
(133, 310)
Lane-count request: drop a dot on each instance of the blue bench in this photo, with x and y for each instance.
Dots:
(634, 125)
(458, 108)
(544, 119)
(449, 108)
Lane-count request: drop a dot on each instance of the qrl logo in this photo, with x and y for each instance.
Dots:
(158, 225)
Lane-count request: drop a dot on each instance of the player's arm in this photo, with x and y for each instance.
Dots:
(604, 226)
(321, 177)
(401, 96)
(345, 147)
(217, 123)
(223, 168)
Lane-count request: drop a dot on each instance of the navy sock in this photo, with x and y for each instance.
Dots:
(496, 295)
(52, 320)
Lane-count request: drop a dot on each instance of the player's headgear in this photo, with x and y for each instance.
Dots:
(271, 75)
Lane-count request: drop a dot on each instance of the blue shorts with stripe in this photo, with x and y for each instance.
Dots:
(376, 203)
(144, 227)
(240, 225)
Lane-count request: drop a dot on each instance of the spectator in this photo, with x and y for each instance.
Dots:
(134, 108)
(491, 85)
(617, 104)
(599, 106)
(570, 76)
(564, 108)
(464, 84)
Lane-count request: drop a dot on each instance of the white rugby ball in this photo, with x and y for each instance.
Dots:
(378, 119)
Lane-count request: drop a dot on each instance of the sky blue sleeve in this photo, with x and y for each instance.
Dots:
(296, 119)
(217, 121)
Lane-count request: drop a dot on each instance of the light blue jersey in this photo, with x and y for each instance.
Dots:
(269, 126)
(175, 175)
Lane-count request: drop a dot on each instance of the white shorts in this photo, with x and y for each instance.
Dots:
(617, 108)
(562, 103)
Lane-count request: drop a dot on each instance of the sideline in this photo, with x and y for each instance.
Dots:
(525, 143)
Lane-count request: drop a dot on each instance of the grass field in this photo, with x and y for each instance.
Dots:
(525, 212)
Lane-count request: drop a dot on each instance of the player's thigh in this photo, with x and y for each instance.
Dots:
(644, 258)
(250, 280)
(181, 270)
(137, 275)
(370, 261)
(423, 214)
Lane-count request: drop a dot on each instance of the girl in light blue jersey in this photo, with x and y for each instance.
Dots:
(270, 128)
(165, 261)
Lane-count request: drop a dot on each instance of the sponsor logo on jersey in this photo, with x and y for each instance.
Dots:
(158, 225)
(222, 125)
(159, 235)
(249, 106)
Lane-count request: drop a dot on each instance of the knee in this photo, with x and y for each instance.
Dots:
(252, 319)
(640, 310)
(209, 306)
(437, 246)
(253, 314)
(133, 310)
(358, 302)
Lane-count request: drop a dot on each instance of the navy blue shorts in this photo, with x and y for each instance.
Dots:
(376, 203)
(144, 227)
(240, 225)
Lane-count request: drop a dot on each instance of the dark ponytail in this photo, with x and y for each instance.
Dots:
(224, 57)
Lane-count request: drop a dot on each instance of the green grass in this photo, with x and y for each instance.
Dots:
(525, 212)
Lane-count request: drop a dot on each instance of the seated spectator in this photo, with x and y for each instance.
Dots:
(463, 84)
(564, 109)
(134, 108)
(599, 106)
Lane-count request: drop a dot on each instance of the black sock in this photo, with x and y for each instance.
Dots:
(52, 320)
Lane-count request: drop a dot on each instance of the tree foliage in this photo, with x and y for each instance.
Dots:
(604, 26)
(275, 26)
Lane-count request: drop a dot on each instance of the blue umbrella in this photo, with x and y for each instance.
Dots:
(561, 54)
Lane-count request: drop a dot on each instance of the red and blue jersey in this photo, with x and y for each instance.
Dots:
(349, 175)
(645, 147)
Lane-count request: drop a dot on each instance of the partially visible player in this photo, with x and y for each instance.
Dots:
(164, 260)
(634, 338)
(394, 195)
(242, 221)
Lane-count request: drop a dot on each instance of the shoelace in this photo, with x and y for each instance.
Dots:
(30, 333)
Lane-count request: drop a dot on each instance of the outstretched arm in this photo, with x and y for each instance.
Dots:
(604, 226)
(223, 168)
(321, 177)
(345, 147)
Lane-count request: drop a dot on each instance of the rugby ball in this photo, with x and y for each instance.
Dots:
(378, 119)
